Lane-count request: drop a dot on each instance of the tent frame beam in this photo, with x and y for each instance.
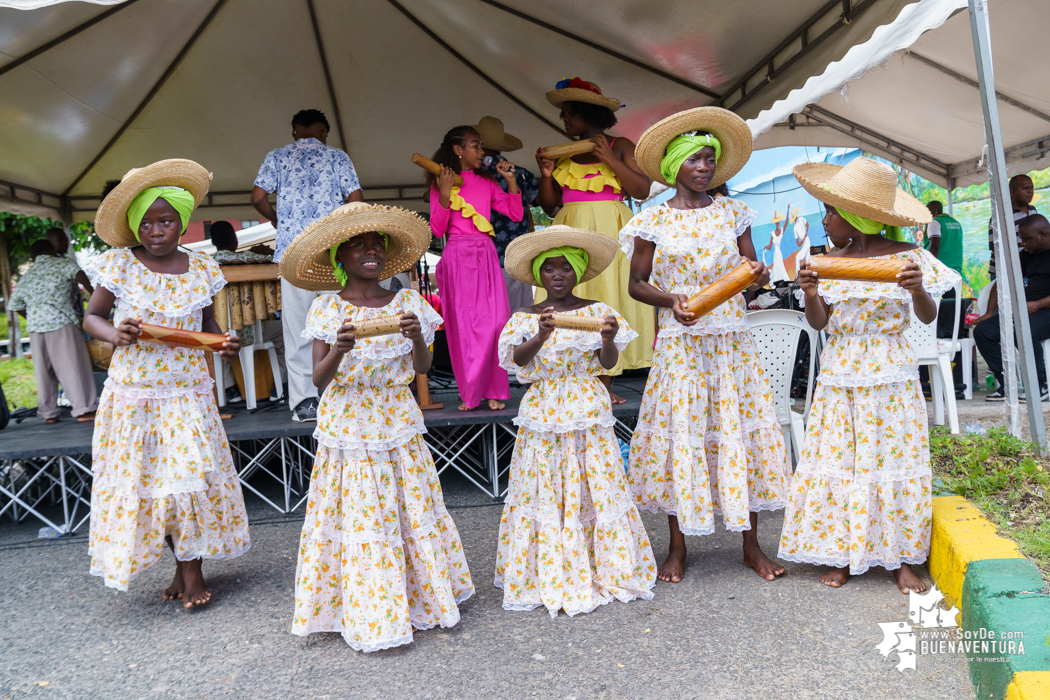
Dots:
(151, 94)
(327, 74)
(1036, 147)
(12, 195)
(480, 73)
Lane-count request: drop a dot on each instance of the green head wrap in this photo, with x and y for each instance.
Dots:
(337, 267)
(577, 257)
(178, 198)
(683, 146)
(871, 226)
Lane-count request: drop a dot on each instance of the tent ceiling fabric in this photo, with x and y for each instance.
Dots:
(231, 97)
(921, 94)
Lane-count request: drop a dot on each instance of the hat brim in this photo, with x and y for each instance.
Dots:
(111, 220)
(523, 250)
(307, 263)
(509, 143)
(731, 131)
(907, 210)
(560, 97)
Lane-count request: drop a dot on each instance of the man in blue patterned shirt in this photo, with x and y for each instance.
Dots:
(311, 179)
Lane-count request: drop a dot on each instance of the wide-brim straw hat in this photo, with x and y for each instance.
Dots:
(777, 217)
(493, 136)
(586, 92)
(523, 250)
(307, 263)
(730, 130)
(111, 221)
(863, 187)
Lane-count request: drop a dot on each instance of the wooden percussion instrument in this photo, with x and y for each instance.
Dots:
(567, 150)
(579, 323)
(433, 168)
(176, 338)
(382, 325)
(856, 269)
(722, 289)
(252, 293)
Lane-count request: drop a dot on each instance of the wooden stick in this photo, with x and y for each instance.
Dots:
(271, 298)
(233, 301)
(722, 289)
(579, 323)
(423, 394)
(433, 168)
(259, 297)
(857, 269)
(177, 338)
(247, 305)
(220, 310)
(567, 150)
(382, 325)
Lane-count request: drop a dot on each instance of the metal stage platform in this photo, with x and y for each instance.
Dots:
(45, 470)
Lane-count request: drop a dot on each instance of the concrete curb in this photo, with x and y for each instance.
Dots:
(999, 592)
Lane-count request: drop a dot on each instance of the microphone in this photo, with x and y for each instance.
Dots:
(493, 161)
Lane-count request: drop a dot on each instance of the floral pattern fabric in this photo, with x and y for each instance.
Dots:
(379, 554)
(570, 538)
(161, 463)
(44, 293)
(861, 495)
(708, 440)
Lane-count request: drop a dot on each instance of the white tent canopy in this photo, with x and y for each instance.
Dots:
(912, 95)
(88, 91)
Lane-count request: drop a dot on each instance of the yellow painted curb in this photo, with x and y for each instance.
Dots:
(962, 534)
(1029, 685)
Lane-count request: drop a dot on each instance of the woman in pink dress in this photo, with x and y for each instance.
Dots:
(473, 294)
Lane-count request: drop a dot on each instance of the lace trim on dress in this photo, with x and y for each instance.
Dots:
(378, 348)
(712, 436)
(840, 562)
(673, 329)
(203, 386)
(694, 229)
(834, 291)
(361, 448)
(757, 508)
(538, 426)
(555, 517)
(367, 647)
(905, 373)
(568, 339)
(921, 471)
(155, 301)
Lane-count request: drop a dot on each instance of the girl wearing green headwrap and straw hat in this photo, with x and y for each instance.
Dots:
(707, 439)
(861, 494)
(163, 473)
(567, 491)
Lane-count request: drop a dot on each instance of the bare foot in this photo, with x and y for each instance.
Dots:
(495, 405)
(673, 568)
(614, 399)
(196, 592)
(836, 577)
(174, 591)
(907, 581)
(757, 560)
(464, 407)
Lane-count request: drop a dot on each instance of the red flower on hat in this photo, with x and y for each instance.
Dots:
(577, 83)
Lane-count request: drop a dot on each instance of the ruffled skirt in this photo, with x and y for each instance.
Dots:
(162, 467)
(379, 554)
(708, 440)
(570, 538)
(861, 495)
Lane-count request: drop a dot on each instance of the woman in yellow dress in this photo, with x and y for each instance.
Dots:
(587, 191)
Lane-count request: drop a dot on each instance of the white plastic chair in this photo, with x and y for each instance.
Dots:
(967, 345)
(778, 333)
(247, 358)
(923, 340)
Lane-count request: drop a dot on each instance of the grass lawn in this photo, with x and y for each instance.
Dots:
(19, 383)
(4, 326)
(1000, 475)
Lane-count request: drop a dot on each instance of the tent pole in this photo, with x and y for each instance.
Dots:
(1011, 294)
(951, 197)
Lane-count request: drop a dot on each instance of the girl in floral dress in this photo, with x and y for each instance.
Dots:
(379, 554)
(707, 439)
(861, 494)
(570, 537)
(162, 467)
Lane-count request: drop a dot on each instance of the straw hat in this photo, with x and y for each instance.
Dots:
(490, 129)
(523, 250)
(111, 221)
(307, 264)
(576, 90)
(727, 127)
(777, 217)
(863, 187)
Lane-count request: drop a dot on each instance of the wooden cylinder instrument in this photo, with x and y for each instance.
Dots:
(579, 323)
(722, 289)
(252, 293)
(567, 150)
(433, 168)
(176, 338)
(220, 311)
(382, 325)
(856, 269)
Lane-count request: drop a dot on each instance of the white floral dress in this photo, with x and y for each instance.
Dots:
(708, 440)
(379, 554)
(161, 463)
(570, 537)
(861, 493)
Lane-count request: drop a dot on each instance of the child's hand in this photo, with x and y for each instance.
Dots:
(610, 329)
(546, 165)
(344, 338)
(910, 278)
(807, 280)
(411, 327)
(127, 332)
(760, 269)
(445, 181)
(546, 323)
(602, 151)
(506, 169)
(230, 348)
(684, 317)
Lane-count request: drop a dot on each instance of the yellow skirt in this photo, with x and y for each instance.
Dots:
(611, 286)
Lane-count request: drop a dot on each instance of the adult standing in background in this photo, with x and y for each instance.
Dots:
(1022, 190)
(311, 179)
(944, 237)
(60, 242)
(495, 140)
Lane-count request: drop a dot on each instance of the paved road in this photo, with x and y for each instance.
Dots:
(721, 633)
